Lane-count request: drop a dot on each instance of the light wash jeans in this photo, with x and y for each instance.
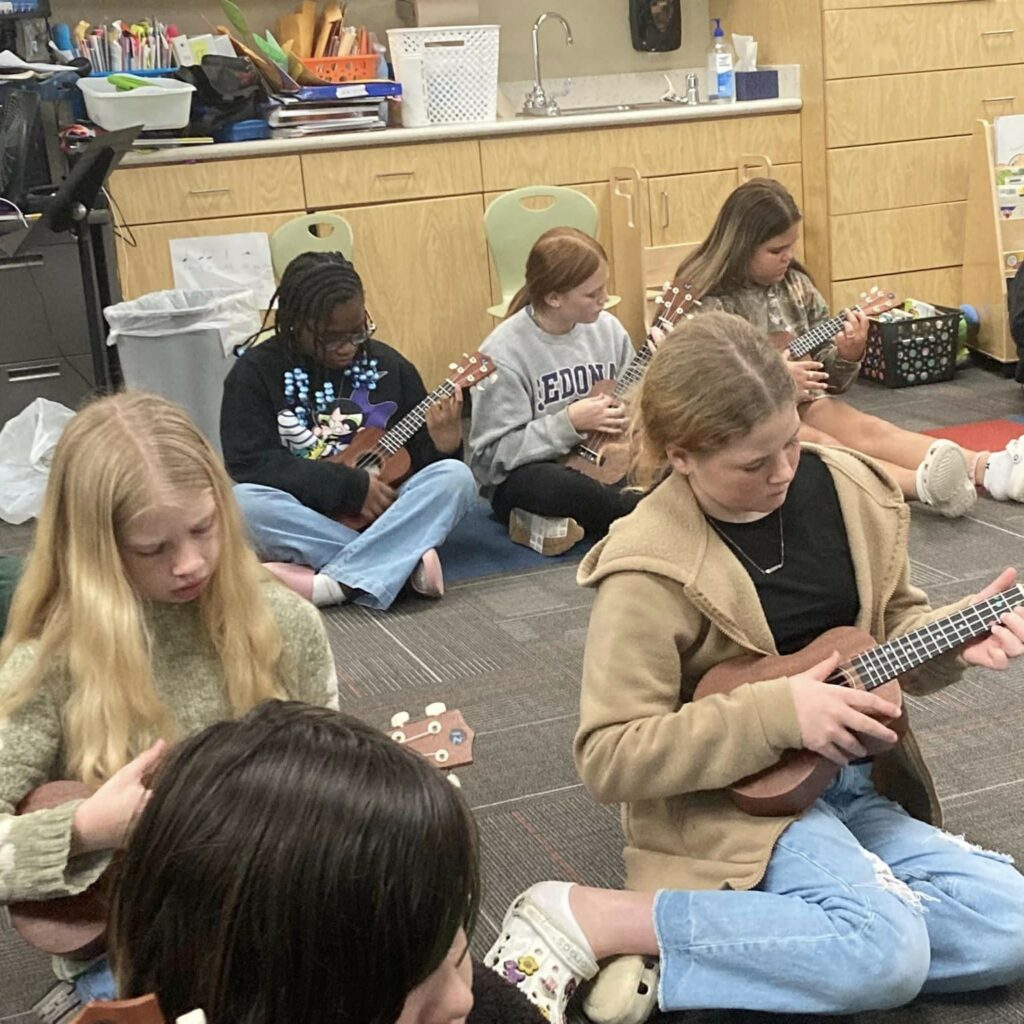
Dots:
(377, 561)
(96, 983)
(862, 908)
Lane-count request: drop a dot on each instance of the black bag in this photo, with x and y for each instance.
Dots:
(228, 89)
(1015, 300)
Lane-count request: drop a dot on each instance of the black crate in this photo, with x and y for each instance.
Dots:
(905, 353)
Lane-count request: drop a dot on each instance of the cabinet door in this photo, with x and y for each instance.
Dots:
(868, 42)
(146, 267)
(684, 206)
(929, 105)
(942, 286)
(424, 268)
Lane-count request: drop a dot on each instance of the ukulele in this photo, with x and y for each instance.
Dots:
(71, 926)
(442, 737)
(801, 776)
(143, 1010)
(384, 454)
(872, 303)
(605, 457)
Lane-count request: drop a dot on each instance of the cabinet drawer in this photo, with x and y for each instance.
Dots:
(929, 105)
(566, 157)
(842, 5)
(385, 173)
(942, 286)
(922, 38)
(893, 241)
(899, 174)
(67, 381)
(147, 266)
(684, 206)
(160, 194)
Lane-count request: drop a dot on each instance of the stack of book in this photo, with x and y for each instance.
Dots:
(330, 109)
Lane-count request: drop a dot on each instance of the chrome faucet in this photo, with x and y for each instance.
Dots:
(537, 100)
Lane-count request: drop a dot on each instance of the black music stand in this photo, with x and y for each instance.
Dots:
(69, 210)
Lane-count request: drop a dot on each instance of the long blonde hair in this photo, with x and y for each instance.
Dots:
(560, 260)
(76, 604)
(713, 379)
(758, 210)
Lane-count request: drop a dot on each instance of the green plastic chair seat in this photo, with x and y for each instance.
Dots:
(301, 235)
(512, 227)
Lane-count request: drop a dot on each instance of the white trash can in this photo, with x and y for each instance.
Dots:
(180, 344)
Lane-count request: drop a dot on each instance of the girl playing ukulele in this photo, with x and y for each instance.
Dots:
(141, 616)
(750, 544)
(294, 401)
(746, 266)
(556, 343)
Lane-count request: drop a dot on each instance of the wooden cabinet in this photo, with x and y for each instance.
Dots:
(424, 268)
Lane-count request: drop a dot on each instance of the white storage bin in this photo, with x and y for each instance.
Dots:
(163, 103)
(459, 69)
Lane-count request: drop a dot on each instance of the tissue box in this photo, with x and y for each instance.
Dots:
(757, 85)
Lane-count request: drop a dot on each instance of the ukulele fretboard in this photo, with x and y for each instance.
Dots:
(887, 661)
(398, 436)
(817, 335)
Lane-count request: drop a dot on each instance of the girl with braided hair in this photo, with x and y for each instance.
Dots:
(301, 396)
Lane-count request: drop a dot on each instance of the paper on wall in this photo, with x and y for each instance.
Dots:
(225, 261)
(1009, 137)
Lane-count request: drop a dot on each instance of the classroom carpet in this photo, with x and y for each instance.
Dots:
(507, 648)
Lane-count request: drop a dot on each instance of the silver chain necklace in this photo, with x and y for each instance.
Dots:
(760, 568)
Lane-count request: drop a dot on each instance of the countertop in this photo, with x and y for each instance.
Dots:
(444, 132)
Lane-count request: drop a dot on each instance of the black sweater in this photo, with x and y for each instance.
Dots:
(255, 449)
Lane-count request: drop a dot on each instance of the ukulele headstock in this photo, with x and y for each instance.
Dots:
(442, 736)
(673, 304)
(471, 369)
(876, 301)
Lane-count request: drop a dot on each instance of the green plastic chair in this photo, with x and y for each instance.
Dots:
(315, 232)
(512, 227)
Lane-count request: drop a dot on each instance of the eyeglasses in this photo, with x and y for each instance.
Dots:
(336, 342)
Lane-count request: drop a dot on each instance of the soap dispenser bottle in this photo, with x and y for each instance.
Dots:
(721, 76)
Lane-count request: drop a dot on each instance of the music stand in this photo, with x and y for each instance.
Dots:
(69, 210)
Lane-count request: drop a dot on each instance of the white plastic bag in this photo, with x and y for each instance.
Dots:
(26, 450)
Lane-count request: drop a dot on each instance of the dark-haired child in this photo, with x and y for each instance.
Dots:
(300, 397)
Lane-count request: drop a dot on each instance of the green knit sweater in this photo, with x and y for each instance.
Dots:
(34, 848)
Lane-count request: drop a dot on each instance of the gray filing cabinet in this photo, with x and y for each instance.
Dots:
(44, 336)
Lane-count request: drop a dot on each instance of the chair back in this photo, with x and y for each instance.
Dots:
(515, 220)
(314, 232)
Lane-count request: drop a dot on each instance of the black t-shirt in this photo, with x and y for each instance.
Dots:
(815, 588)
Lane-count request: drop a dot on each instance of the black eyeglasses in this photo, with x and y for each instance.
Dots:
(336, 342)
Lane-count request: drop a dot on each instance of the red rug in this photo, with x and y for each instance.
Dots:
(987, 435)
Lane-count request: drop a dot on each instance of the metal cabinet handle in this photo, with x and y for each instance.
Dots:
(999, 32)
(998, 99)
(41, 371)
(664, 209)
(395, 174)
(206, 191)
(34, 259)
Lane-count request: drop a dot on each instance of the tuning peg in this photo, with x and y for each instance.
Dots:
(192, 1017)
(437, 708)
(455, 780)
(441, 756)
(399, 719)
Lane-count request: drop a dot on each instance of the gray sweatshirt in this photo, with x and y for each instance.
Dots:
(521, 417)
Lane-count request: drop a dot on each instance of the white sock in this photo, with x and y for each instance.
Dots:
(326, 591)
(553, 899)
(997, 475)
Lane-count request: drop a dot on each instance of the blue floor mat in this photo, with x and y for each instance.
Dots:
(479, 546)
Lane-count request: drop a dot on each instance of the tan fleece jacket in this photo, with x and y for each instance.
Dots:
(672, 602)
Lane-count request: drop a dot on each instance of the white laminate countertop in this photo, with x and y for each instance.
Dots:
(445, 132)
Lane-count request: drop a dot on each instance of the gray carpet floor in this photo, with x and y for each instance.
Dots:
(507, 652)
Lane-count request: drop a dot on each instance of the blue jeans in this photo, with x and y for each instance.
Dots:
(377, 561)
(96, 983)
(862, 907)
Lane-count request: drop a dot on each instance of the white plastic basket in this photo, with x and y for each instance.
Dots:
(460, 69)
(163, 103)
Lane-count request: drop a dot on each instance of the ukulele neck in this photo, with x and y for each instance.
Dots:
(637, 366)
(817, 335)
(887, 661)
(399, 435)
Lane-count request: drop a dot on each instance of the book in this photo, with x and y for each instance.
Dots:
(347, 91)
(299, 131)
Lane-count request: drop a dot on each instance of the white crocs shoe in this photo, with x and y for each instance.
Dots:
(536, 956)
(1004, 479)
(624, 992)
(943, 482)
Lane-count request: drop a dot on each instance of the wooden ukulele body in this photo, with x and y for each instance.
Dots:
(800, 776)
(71, 926)
(392, 470)
(611, 460)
